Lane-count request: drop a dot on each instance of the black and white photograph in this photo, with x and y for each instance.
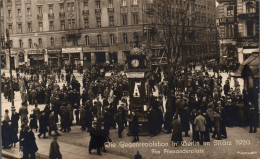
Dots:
(130, 79)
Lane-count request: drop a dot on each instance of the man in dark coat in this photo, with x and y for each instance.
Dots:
(83, 119)
(176, 130)
(43, 125)
(135, 127)
(152, 122)
(53, 125)
(29, 143)
(55, 149)
(167, 121)
(120, 121)
(14, 120)
(185, 120)
(252, 118)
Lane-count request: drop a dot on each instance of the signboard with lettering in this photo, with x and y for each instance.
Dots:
(72, 50)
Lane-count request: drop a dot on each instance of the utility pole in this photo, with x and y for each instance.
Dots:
(9, 45)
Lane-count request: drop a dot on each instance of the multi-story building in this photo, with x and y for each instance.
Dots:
(238, 28)
(75, 31)
(80, 31)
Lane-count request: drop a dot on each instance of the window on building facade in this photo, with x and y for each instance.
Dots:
(9, 13)
(40, 42)
(72, 6)
(29, 25)
(62, 25)
(63, 41)
(123, 2)
(20, 28)
(51, 25)
(124, 19)
(68, 6)
(98, 22)
(10, 28)
(250, 8)
(73, 23)
(69, 23)
(61, 7)
(19, 12)
(250, 28)
(125, 40)
(20, 43)
(28, 11)
(97, 4)
(39, 9)
(40, 26)
(230, 11)
(135, 18)
(135, 2)
(111, 20)
(30, 43)
(230, 31)
(87, 40)
(86, 22)
(99, 40)
(50, 8)
(75, 41)
(110, 4)
(52, 42)
(112, 39)
(85, 5)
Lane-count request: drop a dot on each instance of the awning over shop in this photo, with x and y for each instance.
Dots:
(252, 62)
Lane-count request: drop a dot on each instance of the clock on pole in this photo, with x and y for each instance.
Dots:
(138, 87)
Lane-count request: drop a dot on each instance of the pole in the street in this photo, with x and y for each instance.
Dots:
(9, 45)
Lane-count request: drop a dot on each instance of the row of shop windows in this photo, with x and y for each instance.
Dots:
(112, 41)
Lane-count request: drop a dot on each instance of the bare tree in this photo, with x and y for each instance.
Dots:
(171, 24)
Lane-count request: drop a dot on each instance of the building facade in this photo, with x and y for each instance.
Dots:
(238, 29)
(83, 32)
(71, 31)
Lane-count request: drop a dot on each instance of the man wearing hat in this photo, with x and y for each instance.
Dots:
(23, 112)
(55, 149)
(200, 126)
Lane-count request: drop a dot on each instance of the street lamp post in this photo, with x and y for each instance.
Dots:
(9, 45)
(217, 47)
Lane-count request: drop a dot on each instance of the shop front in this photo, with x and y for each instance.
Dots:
(35, 57)
(54, 56)
(72, 56)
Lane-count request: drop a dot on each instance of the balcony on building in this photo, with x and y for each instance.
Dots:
(62, 14)
(73, 33)
(85, 12)
(51, 15)
(110, 10)
(97, 10)
(39, 16)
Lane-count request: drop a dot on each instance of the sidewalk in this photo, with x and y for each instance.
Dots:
(68, 151)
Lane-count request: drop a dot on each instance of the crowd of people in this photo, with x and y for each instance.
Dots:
(199, 102)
